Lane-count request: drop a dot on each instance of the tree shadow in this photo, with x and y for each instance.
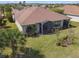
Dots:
(2, 56)
(29, 53)
(5, 27)
(33, 35)
(70, 26)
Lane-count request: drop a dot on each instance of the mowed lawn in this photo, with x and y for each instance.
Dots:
(46, 44)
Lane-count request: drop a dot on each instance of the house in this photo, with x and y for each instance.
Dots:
(72, 11)
(39, 20)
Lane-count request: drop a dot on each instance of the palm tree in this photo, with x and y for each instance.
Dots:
(13, 39)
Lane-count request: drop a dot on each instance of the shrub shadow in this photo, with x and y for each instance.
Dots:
(5, 27)
(29, 53)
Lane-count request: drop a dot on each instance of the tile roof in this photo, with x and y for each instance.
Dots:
(34, 15)
(71, 9)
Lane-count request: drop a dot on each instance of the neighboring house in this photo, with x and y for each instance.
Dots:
(72, 11)
(40, 18)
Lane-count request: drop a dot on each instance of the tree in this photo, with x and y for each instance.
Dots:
(20, 3)
(2, 8)
(31, 30)
(12, 39)
(24, 3)
(2, 22)
(8, 13)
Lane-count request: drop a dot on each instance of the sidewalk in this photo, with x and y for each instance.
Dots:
(76, 20)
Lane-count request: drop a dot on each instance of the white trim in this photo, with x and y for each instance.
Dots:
(62, 23)
(42, 28)
(24, 29)
(37, 25)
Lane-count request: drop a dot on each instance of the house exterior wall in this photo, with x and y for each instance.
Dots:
(41, 30)
(37, 25)
(23, 28)
(19, 26)
(74, 18)
(61, 24)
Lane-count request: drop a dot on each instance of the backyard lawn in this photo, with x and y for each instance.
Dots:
(46, 44)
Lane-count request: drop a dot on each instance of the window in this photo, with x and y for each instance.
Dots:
(57, 23)
(31, 29)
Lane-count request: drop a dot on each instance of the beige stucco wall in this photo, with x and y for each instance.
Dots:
(23, 28)
(37, 25)
(19, 26)
(61, 23)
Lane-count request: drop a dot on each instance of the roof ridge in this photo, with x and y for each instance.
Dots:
(20, 11)
(24, 11)
(31, 13)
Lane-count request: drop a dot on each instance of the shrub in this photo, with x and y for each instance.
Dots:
(58, 10)
(31, 29)
(65, 42)
(7, 52)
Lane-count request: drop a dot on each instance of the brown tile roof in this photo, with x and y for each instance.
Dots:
(71, 9)
(34, 15)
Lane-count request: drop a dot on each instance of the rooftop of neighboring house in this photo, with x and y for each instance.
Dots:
(33, 15)
(71, 9)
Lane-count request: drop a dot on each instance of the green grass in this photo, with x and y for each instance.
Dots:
(74, 23)
(10, 25)
(46, 44)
